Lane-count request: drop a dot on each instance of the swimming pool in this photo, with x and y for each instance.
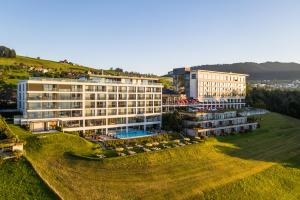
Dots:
(133, 134)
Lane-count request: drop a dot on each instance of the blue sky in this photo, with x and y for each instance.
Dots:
(153, 36)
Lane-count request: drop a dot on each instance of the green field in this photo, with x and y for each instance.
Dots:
(263, 165)
(33, 62)
(19, 181)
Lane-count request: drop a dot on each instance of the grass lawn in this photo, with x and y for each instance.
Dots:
(19, 181)
(263, 164)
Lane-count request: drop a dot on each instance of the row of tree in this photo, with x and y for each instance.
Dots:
(281, 101)
(7, 52)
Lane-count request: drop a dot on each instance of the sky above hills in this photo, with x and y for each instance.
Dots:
(153, 36)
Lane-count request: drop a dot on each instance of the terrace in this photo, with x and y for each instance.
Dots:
(99, 81)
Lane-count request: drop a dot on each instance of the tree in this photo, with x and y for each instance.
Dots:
(7, 53)
(172, 122)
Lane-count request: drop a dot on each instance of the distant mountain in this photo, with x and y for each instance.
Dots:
(260, 71)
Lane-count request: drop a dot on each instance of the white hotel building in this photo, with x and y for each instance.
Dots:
(103, 104)
(218, 89)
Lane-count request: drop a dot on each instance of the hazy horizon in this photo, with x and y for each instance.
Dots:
(153, 37)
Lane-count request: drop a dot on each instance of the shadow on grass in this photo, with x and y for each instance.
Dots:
(72, 156)
(280, 146)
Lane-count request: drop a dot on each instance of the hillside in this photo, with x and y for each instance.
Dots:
(263, 164)
(260, 71)
(18, 180)
(14, 69)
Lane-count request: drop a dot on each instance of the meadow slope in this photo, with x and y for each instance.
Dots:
(19, 181)
(247, 166)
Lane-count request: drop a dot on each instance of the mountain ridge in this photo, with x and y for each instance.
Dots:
(259, 71)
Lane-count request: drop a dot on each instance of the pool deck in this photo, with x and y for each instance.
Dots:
(141, 136)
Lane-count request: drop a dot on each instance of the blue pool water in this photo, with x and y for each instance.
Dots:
(133, 134)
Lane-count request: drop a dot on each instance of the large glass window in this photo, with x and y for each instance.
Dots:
(49, 96)
(48, 114)
(122, 96)
(131, 89)
(49, 105)
(112, 97)
(64, 105)
(131, 104)
(122, 111)
(157, 96)
(34, 96)
(76, 113)
(112, 104)
(100, 88)
(153, 118)
(149, 110)
(131, 111)
(76, 88)
(131, 96)
(95, 122)
(149, 96)
(34, 106)
(141, 89)
(122, 103)
(149, 103)
(135, 119)
(64, 96)
(101, 96)
(64, 88)
(101, 104)
(89, 88)
(112, 112)
(89, 96)
(34, 115)
(76, 105)
(101, 112)
(90, 104)
(49, 87)
(157, 110)
(89, 112)
(141, 104)
(141, 96)
(140, 111)
(122, 89)
(73, 124)
(114, 121)
(64, 114)
(112, 88)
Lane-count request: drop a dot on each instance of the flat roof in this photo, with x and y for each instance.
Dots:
(219, 72)
(66, 80)
(126, 77)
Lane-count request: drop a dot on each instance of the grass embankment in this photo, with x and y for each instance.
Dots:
(19, 181)
(234, 167)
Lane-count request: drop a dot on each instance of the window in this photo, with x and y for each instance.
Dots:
(193, 76)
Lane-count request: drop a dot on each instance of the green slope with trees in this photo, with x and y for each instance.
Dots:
(281, 101)
(14, 68)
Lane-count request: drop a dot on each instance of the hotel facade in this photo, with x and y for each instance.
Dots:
(101, 105)
(212, 89)
(216, 123)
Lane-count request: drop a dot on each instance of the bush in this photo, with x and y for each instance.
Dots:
(172, 122)
(7, 52)
(26, 127)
